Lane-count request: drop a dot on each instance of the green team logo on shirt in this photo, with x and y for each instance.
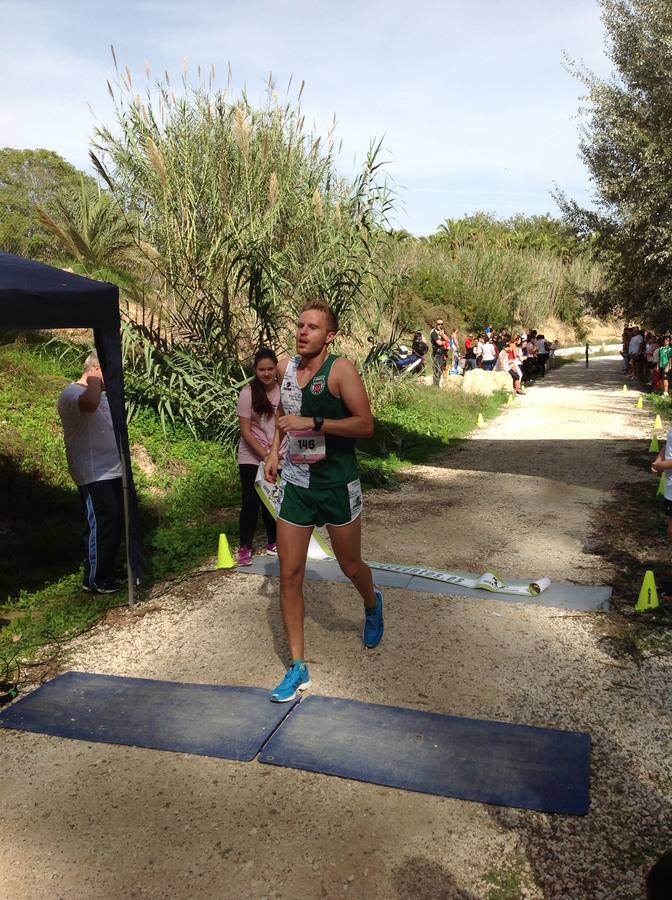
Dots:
(318, 384)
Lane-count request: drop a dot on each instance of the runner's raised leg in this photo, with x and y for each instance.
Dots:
(346, 541)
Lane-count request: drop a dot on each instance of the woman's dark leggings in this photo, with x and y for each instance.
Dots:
(249, 508)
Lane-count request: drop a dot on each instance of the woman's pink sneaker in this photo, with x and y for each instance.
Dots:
(272, 549)
(245, 556)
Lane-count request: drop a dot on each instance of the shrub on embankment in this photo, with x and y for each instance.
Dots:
(188, 489)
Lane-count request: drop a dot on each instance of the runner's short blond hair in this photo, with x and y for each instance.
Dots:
(321, 306)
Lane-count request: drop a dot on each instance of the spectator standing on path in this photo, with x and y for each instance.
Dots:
(478, 350)
(542, 355)
(532, 355)
(650, 350)
(625, 348)
(257, 406)
(470, 352)
(663, 464)
(507, 361)
(636, 354)
(665, 364)
(454, 346)
(439, 341)
(323, 408)
(95, 467)
(489, 355)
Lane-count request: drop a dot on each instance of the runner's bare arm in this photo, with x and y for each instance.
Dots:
(347, 385)
(272, 464)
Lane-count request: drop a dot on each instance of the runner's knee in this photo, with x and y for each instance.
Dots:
(350, 567)
(291, 574)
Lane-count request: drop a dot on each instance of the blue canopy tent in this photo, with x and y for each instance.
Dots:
(33, 296)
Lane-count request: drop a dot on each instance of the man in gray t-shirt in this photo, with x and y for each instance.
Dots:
(94, 464)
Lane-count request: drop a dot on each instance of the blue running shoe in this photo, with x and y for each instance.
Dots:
(373, 624)
(296, 679)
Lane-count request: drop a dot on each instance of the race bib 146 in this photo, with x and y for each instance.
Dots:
(307, 447)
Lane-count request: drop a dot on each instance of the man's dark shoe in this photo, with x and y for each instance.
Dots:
(107, 586)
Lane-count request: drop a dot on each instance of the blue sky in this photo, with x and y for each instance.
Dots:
(471, 96)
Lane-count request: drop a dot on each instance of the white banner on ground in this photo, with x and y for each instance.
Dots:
(485, 582)
(271, 496)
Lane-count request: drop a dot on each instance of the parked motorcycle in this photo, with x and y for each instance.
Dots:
(396, 358)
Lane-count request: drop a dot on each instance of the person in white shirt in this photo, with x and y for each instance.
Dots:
(542, 355)
(95, 467)
(489, 354)
(662, 464)
(478, 351)
(636, 354)
(507, 361)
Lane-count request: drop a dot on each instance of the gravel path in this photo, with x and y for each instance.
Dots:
(84, 820)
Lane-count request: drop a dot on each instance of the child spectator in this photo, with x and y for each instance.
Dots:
(257, 405)
(478, 351)
(454, 346)
(507, 361)
(652, 345)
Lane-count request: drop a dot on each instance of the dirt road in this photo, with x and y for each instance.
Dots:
(102, 821)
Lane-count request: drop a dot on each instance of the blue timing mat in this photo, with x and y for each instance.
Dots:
(205, 719)
(470, 759)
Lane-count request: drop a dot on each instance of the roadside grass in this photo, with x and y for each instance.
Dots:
(636, 541)
(188, 490)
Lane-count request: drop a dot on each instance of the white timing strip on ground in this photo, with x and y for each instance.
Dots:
(317, 550)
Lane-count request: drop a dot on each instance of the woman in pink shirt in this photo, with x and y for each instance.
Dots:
(256, 413)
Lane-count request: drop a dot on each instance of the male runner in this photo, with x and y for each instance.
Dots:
(323, 408)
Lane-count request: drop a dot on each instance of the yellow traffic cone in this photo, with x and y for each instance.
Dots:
(661, 486)
(625, 389)
(648, 595)
(653, 446)
(640, 402)
(481, 420)
(224, 558)
(657, 423)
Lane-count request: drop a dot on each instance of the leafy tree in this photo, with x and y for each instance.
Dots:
(237, 215)
(89, 225)
(627, 147)
(28, 179)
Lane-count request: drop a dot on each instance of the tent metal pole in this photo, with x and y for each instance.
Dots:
(131, 578)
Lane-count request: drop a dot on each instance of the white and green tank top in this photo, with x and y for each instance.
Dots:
(315, 399)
